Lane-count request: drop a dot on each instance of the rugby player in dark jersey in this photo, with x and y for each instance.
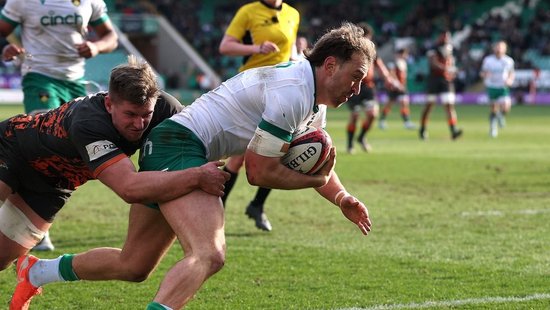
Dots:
(46, 156)
(441, 85)
(367, 100)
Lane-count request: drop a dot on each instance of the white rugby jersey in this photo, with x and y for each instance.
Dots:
(49, 31)
(278, 99)
(499, 70)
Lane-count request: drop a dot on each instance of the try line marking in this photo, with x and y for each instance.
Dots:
(502, 213)
(453, 303)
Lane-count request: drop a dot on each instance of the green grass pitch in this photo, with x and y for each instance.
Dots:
(461, 224)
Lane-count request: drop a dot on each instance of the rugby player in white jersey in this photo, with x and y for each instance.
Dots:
(54, 49)
(497, 71)
(254, 113)
(55, 46)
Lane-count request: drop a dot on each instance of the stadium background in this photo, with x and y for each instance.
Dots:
(180, 39)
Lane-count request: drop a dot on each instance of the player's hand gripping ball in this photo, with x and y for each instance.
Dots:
(309, 150)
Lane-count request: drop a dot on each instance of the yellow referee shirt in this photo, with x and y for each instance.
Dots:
(257, 22)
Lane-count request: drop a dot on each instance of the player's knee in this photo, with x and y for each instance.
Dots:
(135, 270)
(138, 273)
(216, 260)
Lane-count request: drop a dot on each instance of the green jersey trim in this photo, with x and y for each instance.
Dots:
(11, 22)
(276, 131)
(100, 20)
(315, 106)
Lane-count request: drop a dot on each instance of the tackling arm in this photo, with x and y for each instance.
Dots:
(159, 186)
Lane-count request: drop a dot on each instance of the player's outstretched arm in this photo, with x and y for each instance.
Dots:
(353, 209)
(159, 186)
(356, 211)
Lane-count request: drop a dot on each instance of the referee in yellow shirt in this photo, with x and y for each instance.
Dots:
(264, 33)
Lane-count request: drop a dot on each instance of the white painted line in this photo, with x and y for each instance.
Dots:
(502, 213)
(460, 302)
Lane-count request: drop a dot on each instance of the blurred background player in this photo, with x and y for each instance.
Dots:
(53, 54)
(398, 69)
(497, 71)
(264, 32)
(442, 73)
(366, 100)
(302, 45)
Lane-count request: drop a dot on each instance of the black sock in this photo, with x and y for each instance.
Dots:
(361, 135)
(452, 128)
(229, 184)
(259, 199)
(350, 139)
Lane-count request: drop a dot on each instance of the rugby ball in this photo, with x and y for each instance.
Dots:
(309, 150)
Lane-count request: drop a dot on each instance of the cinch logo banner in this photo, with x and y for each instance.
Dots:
(53, 20)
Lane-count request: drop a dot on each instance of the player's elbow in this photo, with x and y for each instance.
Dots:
(254, 178)
(257, 175)
(224, 49)
(131, 195)
(111, 45)
(128, 198)
(114, 45)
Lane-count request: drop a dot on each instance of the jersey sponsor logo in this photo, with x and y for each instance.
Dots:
(146, 149)
(43, 96)
(100, 148)
(54, 20)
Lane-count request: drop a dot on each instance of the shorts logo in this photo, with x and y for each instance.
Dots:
(44, 96)
(100, 148)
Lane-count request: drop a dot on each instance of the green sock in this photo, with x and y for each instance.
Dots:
(156, 306)
(66, 268)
